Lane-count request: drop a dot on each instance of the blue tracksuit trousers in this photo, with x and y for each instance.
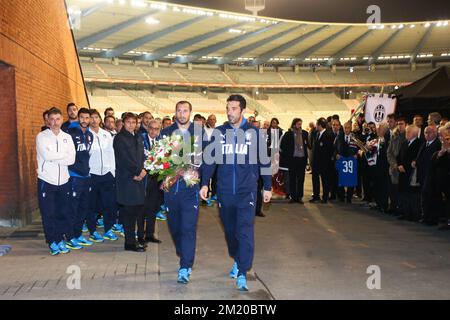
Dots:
(182, 218)
(55, 211)
(237, 213)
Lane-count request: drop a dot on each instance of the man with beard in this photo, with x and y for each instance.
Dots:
(110, 125)
(182, 201)
(80, 179)
(237, 159)
(72, 112)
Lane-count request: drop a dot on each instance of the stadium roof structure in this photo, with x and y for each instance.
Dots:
(158, 31)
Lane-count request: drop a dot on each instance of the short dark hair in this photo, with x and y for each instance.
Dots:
(45, 113)
(238, 98)
(108, 109)
(322, 122)
(401, 119)
(335, 117)
(391, 116)
(95, 111)
(107, 117)
(198, 116)
(183, 102)
(371, 123)
(128, 115)
(84, 111)
(329, 119)
(54, 111)
(71, 104)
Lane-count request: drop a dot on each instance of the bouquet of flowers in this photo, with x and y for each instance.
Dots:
(166, 160)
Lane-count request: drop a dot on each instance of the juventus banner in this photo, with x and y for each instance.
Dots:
(378, 107)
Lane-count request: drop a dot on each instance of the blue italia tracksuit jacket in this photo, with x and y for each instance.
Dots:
(80, 177)
(237, 184)
(182, 204)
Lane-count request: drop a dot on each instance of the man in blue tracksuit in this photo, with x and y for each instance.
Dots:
(234, 151)
(80, 178)
(182, 202)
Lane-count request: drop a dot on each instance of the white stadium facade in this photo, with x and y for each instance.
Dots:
(144, 55)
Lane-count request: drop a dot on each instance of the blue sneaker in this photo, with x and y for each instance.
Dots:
(82, 241)
(96, 237)
(241, 283)
(118, 229)
(209, 203)
(161, 216)
(54, 249)
(62, 247)
(183, 276)
(214, 198)
(73, 244)
(100, 223)
(85, 228)
(234, 271)
(110, 236)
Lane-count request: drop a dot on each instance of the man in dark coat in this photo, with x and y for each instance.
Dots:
(130, 174)
(322, 165)
(408, 185)
(294, 152)
(423, 163)
(153, 193)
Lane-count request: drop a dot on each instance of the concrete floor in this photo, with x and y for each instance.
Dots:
(310, 251)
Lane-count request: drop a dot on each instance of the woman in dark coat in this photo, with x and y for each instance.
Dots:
(130, 174)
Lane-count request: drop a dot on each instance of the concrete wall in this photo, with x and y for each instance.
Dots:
(39, 69)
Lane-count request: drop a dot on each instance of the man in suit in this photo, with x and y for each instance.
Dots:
(335, 190)
(408, 186)
(322, 165)
(381, 178)
(418, 122)
(395, 142)
(293, 150)
(422, 163)
(153, 193)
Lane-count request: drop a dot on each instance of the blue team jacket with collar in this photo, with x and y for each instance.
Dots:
(180, 186)
(83, 143)
(237, 177)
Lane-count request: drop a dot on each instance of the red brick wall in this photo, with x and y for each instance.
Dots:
(35, 40)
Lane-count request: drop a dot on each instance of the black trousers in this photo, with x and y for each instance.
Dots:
(297, 178)
(393, 195)
(130, 216)
(153, 201)
(432, 206)
(409, 203)
(381, 190)
(259, 195)
(319, 176)
(346, 193)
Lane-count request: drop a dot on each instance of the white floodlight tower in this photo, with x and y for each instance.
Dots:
(255, 6)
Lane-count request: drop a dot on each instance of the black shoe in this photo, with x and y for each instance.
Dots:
(323, 201)
(135, 248)
(142, 243)
(292, 201)
(401, 217)
(314, 200)
(348, 201)
(301, 202)
(444, 227)
(152, 240)
(260, 214)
